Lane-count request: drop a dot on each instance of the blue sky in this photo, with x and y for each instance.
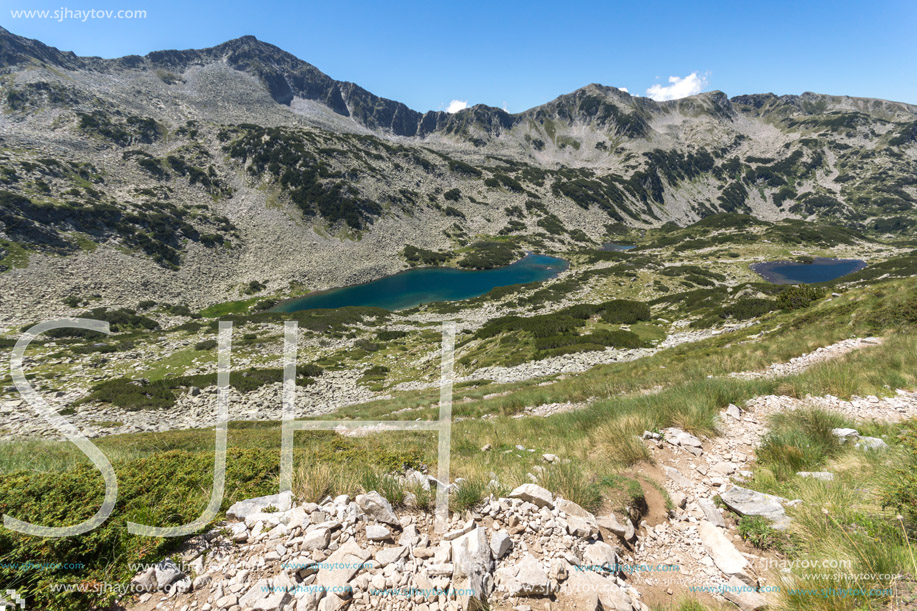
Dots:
(520, 54)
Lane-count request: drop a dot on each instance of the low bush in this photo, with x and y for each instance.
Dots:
(624, 311)
(797, 297)
(423, 256)
(749, 307)
(487, 255)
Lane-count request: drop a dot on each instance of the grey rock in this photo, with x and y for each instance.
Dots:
(745, 596)
(845, 434)
(625, 532)
(167, 574)
(500, 544)
(824, 476)
(724, 554)
(315, 539)
(530, 579)
(871, 443)
(471, 559)
(600, 556)
(711, 512)
(388, 555)
(378, 532)
(378, 508)
(675, 475)
(747, 502)
(533, 494)
(242, 509)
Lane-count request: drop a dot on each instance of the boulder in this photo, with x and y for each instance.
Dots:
(724, 554)
(340, 567)
(600, 557)
(242, 509)
(711, 512)
(318, 538)
(263, 597)
(625, 532)
(871, 443)
(500, 544)
(533, 494)
(471, 560)
(145, 581)
(747, 502)
(677, 478)
(388, 555)
(167, 574)
(746, 597)
(590, 591)
(530, 579)
(378, 532)
(378, 508)
(845, 434)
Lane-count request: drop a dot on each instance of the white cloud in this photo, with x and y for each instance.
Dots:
(624, 89)
(456, 105)
(680, 87)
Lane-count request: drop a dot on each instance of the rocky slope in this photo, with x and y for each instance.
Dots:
(188, 174)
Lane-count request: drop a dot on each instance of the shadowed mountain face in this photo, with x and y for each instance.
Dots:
(169, 144)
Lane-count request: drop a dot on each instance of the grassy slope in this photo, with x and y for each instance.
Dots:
(165, 476)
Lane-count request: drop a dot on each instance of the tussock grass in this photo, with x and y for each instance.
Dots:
(800, 441)
(850, 523)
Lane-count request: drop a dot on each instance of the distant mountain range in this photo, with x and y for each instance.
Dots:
(238, 152)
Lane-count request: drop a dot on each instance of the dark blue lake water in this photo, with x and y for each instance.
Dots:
(425, 285)
(618, 247)
(821, 270)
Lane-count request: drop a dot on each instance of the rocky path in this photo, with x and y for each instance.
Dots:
(800, 363)
(694, 471)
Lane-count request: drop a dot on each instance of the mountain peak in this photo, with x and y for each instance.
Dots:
(17, 50)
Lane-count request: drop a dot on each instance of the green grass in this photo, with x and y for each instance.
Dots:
(800, 441)
(241, 306)
(16, 255)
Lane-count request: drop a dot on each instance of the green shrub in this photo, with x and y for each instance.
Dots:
(749, 307)
(423, 256)
(387, 336)
(452, 211)
(798, 296)
(758, 531)
(133, 395)
(625, 311)
(254, 287)
(207, 344)
(487, 255)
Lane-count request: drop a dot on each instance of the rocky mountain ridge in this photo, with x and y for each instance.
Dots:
(204, 170)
